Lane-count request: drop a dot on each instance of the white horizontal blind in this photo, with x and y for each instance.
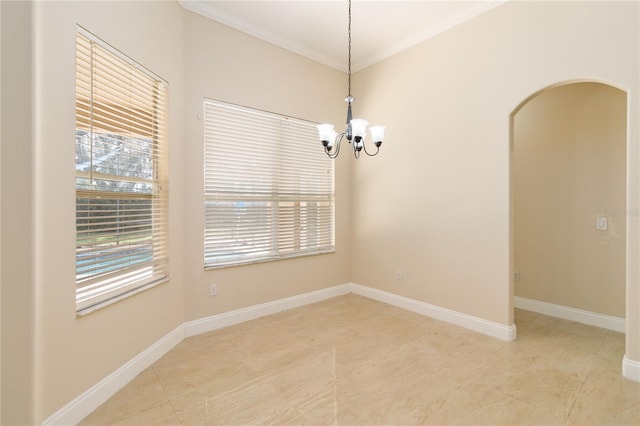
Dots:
(268, 186)
(121, 181)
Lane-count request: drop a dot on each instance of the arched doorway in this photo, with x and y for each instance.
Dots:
(569, 203)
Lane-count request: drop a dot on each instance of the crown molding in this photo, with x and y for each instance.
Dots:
(207, 10)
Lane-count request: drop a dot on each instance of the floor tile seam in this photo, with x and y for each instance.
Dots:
(427, 411)
(602, 348)
(111, 421)
(592, 364)
(164, 390)
(612, 415)
(444, 397)
(118, 419)
(628, 409)
(487, 362)
(147, 409)
(121, 417)
(578, 393)
(544, 406)
(593, 361)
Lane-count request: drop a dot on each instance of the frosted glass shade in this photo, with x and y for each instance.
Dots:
(359, 127)
(325, 131)
(332, 138)
(377, 133)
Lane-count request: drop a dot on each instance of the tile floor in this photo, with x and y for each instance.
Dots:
(354, 361)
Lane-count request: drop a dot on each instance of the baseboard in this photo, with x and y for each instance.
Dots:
(87, 402)
(585, 317)
(480, 325)
(237, 316)
(631, 369)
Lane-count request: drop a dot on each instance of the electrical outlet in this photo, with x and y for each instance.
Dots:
(516, 276)
(213, 290)
(399, 275)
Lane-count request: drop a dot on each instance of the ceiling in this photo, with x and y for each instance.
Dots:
(318, 29)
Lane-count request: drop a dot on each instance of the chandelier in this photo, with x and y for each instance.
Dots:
(356, 127)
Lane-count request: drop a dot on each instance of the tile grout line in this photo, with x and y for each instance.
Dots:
(164, 390)
(586, 377)
(335, 388)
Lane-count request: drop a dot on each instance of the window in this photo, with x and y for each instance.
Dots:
(121, 180)
(269, 187)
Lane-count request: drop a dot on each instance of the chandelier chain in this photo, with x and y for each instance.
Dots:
(349, 48)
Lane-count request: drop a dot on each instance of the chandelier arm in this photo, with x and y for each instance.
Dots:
(336, 151)
(364, 146)
(330, 154)
(338, 143)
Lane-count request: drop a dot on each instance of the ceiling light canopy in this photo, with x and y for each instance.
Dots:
(356, 130)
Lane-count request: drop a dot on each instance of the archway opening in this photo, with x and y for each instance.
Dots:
(569, 205)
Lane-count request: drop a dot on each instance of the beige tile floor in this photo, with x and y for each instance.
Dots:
(354, 361)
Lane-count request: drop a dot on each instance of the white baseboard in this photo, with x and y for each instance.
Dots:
(88, 401)
(237, 316)
(631, 369)
(480, 325)
(585, 317)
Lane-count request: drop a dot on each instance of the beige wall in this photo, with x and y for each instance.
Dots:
(437, 203)
(223, 64)
(569, 168)
(16, 280)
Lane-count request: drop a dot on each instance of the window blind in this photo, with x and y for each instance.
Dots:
(268, 187)
(121, 179)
